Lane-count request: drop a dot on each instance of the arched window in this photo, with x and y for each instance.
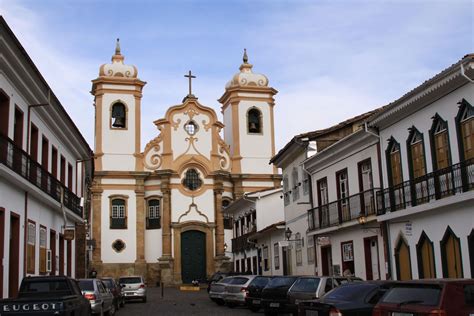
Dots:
(192, 181)
(254, 122)
(451, 255)
(425, 254)
(286, 192)
(296, 184)
(465, 127)
(417, 166)
(441, 157)
(153, 215)
(394, 163)
(402, 260)
(228, 220)
(118, 213)
(119, 119)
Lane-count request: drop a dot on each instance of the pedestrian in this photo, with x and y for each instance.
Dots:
(93, 273)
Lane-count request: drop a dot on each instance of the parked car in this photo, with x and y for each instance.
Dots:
(216, 292)
(355, 298)
(116, 289)
(450, 297)
(253, 298)
(236, 290)
(313, 287)
(47, 295)
(216, 277)
(99, 296)
(274, 295)
(133, 287)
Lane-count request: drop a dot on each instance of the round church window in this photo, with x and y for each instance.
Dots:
(191, 180)
(191, 128)
(118, 245)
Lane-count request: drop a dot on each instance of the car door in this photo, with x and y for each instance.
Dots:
(105, 294)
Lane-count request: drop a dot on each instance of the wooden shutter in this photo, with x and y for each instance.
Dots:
(442, 150)
(418, 160)
(395, 165)
(467, 130)
(427, 260)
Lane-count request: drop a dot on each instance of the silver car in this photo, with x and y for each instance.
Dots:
(236, 290)
(99, 296)
(133, 287)
(217, 289)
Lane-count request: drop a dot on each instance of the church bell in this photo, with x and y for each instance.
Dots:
(119, 122)
(253, 127)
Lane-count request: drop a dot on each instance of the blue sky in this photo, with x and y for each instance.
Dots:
(329, 60)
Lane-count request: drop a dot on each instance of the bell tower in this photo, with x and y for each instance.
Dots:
(247, 107)
(117, 95)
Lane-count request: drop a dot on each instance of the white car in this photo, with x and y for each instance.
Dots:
(236, 290)
(217, 289)
(133, 287)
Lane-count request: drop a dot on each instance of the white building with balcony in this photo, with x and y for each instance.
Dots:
(427, 159)
(44, 166)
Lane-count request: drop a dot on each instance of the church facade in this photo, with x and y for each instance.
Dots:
(157, 211)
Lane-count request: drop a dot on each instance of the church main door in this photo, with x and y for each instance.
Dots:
(193, 256)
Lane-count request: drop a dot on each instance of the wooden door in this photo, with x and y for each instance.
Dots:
(402, 261)
(2, 248)
(452, 260)
(14, 256)
(343, 195)
(426, 256)
(193, 256)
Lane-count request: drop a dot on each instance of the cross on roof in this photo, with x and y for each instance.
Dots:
(190, 77)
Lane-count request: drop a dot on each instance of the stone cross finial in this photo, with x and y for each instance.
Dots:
(190, 77)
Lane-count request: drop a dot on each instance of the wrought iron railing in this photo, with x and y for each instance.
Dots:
(21, 163)
(241, 243)
(436, 185)
(153, 223)
(342, 210)
(118, 222)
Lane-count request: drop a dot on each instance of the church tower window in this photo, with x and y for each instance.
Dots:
(153, 217)
(191, 128)
(254, 121)
(119, 118)
(192, 181)
(118, 214)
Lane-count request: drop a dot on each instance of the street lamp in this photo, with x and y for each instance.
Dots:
(288, 233)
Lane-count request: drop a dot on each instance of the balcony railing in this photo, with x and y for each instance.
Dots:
(153, 223)
(436, 185)
(21, 163)
(240, 244)
(118, 222)
(342, 210)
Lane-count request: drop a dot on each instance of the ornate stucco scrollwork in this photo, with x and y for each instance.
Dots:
(224, 151)
(152, 154)
(175, 124)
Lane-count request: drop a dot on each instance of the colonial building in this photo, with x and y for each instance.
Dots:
(44, 170)
(157, 212)
(345, 177)
(258, 230)
(298, 192)
(427, 159)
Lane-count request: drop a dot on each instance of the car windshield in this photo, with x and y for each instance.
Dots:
(130, 280)
(86, 285)
(349, 292)
(305, 285)
(238, 280)
(419, 295)
(260, 281)
(281, 282)
(226, 280)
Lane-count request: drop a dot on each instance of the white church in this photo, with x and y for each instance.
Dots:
(157, 209)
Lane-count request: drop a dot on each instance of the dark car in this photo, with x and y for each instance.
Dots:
(357, 298)
(449, 297)
(47, 295)
(274, 295)
(116, 289)
(314, 287)
(253, 299)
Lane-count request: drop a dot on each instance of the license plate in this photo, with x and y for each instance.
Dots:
(311, 313)
(274, 304)
(256, 302)
(401, 314)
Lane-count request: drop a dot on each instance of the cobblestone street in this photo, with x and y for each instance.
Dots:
(176, 302)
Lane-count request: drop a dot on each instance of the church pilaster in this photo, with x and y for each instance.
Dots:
(219, 232)
(166, 230)
(140, 215)
(97, 222)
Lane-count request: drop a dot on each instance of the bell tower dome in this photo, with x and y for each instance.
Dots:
(117, 97)
(247, 107)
